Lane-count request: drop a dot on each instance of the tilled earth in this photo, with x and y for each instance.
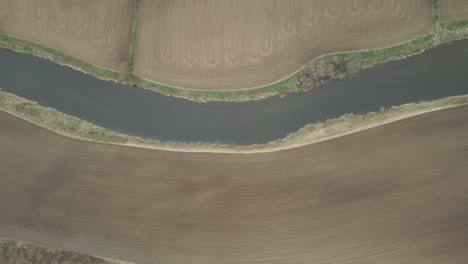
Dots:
(234, 44)
(94, 30)
(391, 194)
(453, 10)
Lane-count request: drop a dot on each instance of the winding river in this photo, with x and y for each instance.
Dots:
(436, 73)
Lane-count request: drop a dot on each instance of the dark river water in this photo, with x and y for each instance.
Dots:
(437, 73)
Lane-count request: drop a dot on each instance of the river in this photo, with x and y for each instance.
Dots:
(437, 73)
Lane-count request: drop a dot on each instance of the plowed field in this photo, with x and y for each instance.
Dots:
(392, 194)
(226, 44)
(95, 30)
(453, 10)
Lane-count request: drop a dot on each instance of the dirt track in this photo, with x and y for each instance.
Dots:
(393, 194)
(95, 30)
(226, 44)
(453, 10)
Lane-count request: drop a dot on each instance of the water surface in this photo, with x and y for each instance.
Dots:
(437, 73)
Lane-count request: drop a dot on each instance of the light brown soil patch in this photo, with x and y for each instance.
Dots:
(233, 44)
(392, 194)
(453, 10)
(97, 31)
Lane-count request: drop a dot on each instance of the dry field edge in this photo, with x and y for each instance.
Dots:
(14, 251)
(74, 127)
(333, 66)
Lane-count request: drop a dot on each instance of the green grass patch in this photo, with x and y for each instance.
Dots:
(55, 120)
(27, 46)
(457, 25)
(286, 85)
(378, 56)
(435, 14)
(136, 22)
(454, 30)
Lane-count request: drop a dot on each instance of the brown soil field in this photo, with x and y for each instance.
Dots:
(453, 10)
(233, 44)
(392, 194)
(97, 31)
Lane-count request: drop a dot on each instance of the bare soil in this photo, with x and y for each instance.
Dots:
(226, 44)
(391, 194)
(97, 31)
(453, 10)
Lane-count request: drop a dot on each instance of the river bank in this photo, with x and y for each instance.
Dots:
(334, 66)
(73, 127)
(435, 74)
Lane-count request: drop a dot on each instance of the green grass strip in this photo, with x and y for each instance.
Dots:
(435, 15)
(27, 46)
(230, 95)
(378, 56)
(136, 22)
(457, 25)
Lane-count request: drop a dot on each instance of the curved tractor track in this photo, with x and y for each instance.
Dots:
(392, 194)
(453, 10)
(226, 44)
(97, 31)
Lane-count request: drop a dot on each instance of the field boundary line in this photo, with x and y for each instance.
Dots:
(36, 49)
(133, 35)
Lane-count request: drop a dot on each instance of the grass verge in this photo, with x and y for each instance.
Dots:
(76, 128)
(454, 30)
(371, 58)
(131, 51)
(435, 15)
(16, 252)
(39, 50)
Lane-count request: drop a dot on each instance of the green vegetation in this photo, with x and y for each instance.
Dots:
(454, 30)
(27, 46)
(74, 127)
(453, 26)
(286, 85)
(71, 126)
(131, 52)
(55, 120)
(435, 15)
(378, 56)
(20, 252)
